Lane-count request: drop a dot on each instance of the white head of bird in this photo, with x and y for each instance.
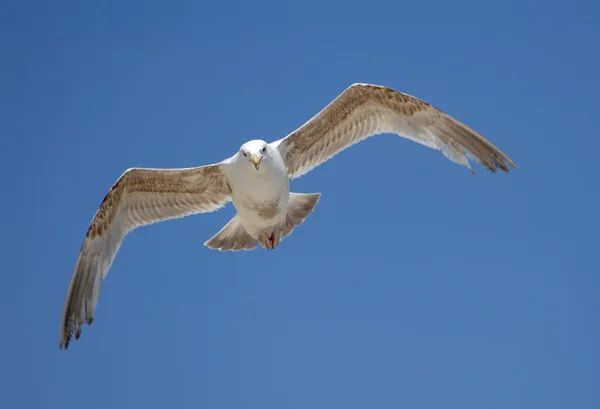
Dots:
(255, 152)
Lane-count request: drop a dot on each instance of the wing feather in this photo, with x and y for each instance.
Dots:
(139, 197)
(364, 110)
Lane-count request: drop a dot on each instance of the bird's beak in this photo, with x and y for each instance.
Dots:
(256, 160)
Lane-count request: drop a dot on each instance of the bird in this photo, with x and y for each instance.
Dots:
(256, 179)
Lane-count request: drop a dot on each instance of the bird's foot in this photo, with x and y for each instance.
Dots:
(265, 240)
(270, 241)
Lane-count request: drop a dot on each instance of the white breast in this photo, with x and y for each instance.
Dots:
(260, 197)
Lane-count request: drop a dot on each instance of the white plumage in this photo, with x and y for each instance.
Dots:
(257, 180)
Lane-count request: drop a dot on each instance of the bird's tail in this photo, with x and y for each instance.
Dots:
(300, 206)
(233, 237)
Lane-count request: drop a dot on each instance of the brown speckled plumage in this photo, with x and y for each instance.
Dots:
(267, 210)
(364, 110)
(140, 197)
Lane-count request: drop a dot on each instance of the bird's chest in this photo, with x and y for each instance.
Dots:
(261, 196)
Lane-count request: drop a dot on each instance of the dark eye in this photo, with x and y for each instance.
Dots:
(243, 153)
(264, 149)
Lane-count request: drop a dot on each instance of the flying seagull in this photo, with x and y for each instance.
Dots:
(257, 181)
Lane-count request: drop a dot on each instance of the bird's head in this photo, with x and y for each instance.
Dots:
(255, 152)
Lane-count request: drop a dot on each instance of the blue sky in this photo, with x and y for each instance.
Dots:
(414, 284)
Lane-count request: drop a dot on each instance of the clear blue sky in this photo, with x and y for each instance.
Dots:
(447, 291)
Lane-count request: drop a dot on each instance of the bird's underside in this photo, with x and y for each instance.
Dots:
(144, 196)
(235, 236)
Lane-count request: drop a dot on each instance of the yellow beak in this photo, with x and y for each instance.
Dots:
(256, 160)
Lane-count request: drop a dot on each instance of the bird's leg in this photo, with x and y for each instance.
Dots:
(276, 236)
(265, 240)
(270, 241)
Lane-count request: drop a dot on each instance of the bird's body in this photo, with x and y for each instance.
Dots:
(260, 192)
(261, 195)
(256, 180)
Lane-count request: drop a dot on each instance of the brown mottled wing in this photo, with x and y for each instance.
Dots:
(140, 197)
(364, 110)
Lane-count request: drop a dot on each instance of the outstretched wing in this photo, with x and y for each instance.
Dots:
(139, 197)
(364, 110)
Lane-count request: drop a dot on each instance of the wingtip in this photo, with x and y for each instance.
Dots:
(69, 334)
(64, 343)
(510, 164)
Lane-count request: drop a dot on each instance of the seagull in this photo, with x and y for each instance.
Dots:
(256, 179)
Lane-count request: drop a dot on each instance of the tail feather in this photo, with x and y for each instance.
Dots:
(233, 237)
(300, 206)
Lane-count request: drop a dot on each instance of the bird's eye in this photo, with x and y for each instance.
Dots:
(264, 149)
(243, 153)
